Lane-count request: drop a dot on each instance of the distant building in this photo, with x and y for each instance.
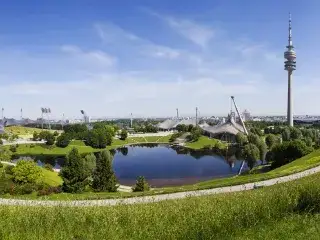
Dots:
(246, 116)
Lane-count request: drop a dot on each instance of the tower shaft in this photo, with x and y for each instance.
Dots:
(289, 107)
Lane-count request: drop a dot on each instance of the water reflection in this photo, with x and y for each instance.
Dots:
(166, 165)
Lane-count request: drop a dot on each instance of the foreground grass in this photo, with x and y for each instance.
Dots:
(206, 141)
(285, 211)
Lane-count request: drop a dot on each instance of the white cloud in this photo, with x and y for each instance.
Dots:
(195, 32)
(97, 56)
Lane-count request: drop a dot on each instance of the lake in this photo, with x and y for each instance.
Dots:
(164, 165)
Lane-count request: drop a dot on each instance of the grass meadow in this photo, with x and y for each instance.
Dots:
(285, 211)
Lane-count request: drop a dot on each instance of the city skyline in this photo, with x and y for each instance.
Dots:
(151, 58)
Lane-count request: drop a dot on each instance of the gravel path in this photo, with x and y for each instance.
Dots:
(158, 198)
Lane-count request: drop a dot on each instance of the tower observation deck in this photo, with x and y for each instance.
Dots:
(290, 66)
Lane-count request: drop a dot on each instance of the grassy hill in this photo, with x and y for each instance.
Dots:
(284, 211)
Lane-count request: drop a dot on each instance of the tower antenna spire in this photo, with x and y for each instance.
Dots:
(290, 33)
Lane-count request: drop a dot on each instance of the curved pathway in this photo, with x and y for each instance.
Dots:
(158, 198)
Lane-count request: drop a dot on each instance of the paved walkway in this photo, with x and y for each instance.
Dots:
(158, 198)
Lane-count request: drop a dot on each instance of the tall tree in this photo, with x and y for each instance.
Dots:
(271, 140)
(74, 174)
(251, 154)
(104, 178)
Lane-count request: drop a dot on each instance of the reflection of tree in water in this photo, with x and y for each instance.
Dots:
(123, 151)
(147, 145)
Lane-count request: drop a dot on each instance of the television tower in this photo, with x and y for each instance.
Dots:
(290, 66)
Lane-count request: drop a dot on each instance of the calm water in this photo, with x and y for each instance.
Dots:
(165, 166)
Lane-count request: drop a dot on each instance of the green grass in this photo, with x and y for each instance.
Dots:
(25, 132)
(276, 212)
(203, 141)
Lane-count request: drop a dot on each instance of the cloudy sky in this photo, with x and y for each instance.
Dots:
(115, 57)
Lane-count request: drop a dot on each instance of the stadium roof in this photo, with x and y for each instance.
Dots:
(230, 126)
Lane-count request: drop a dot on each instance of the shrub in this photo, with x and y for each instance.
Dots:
(49, 138)
(288, 152)
(1, 165)
(55, 134)
(1, 142)
(141, 185)
(8, 169)
(63, 140)
(32, 145)
(48, 190)
(27, 172)
(123, 134)
(175, 136)
(13, 148)
(48, 167)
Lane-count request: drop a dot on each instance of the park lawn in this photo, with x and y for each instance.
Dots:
(273, 212)
(165, 139)
(26, 132)
(52, 178)
(42, 149)
(152, 139)
(77, 143)
(205, 141)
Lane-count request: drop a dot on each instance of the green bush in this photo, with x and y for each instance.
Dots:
(27, 172)
(141, 185)
(13, 148)
(289, 151)
(123, 134)
(63, 140)
(251, 154)
(9, 169)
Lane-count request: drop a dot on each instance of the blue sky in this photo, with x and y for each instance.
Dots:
(148, 57)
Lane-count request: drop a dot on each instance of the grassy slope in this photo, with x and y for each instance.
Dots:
(267, 213)
(203, 141)
(51, 178)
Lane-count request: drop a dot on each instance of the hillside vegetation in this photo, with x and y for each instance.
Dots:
(284, 211)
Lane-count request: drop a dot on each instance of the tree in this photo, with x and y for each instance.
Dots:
(13, 148)
(35, 136)
(241, 139)
(181, 128)
(271, 140)
(73, 173)
(123, 134)
(253, 138)
(63, 140)
(42, 135)
(90, 163)
(55, 134)
(251, 154)
(286, 134)
(141, 185)
(308, 141)
(288, 152)
(295, 133)
(104, 178)
(49, 138)
(27, 172)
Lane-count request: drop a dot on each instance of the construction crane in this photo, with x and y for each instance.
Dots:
(86, 119)
(242, 123)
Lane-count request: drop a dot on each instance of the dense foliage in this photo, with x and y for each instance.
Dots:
(123, 134)
(288, 151)
(251, 154)
(73, 173)
(104, 178)
(141, 185)
(63, 140)
(27, 172)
